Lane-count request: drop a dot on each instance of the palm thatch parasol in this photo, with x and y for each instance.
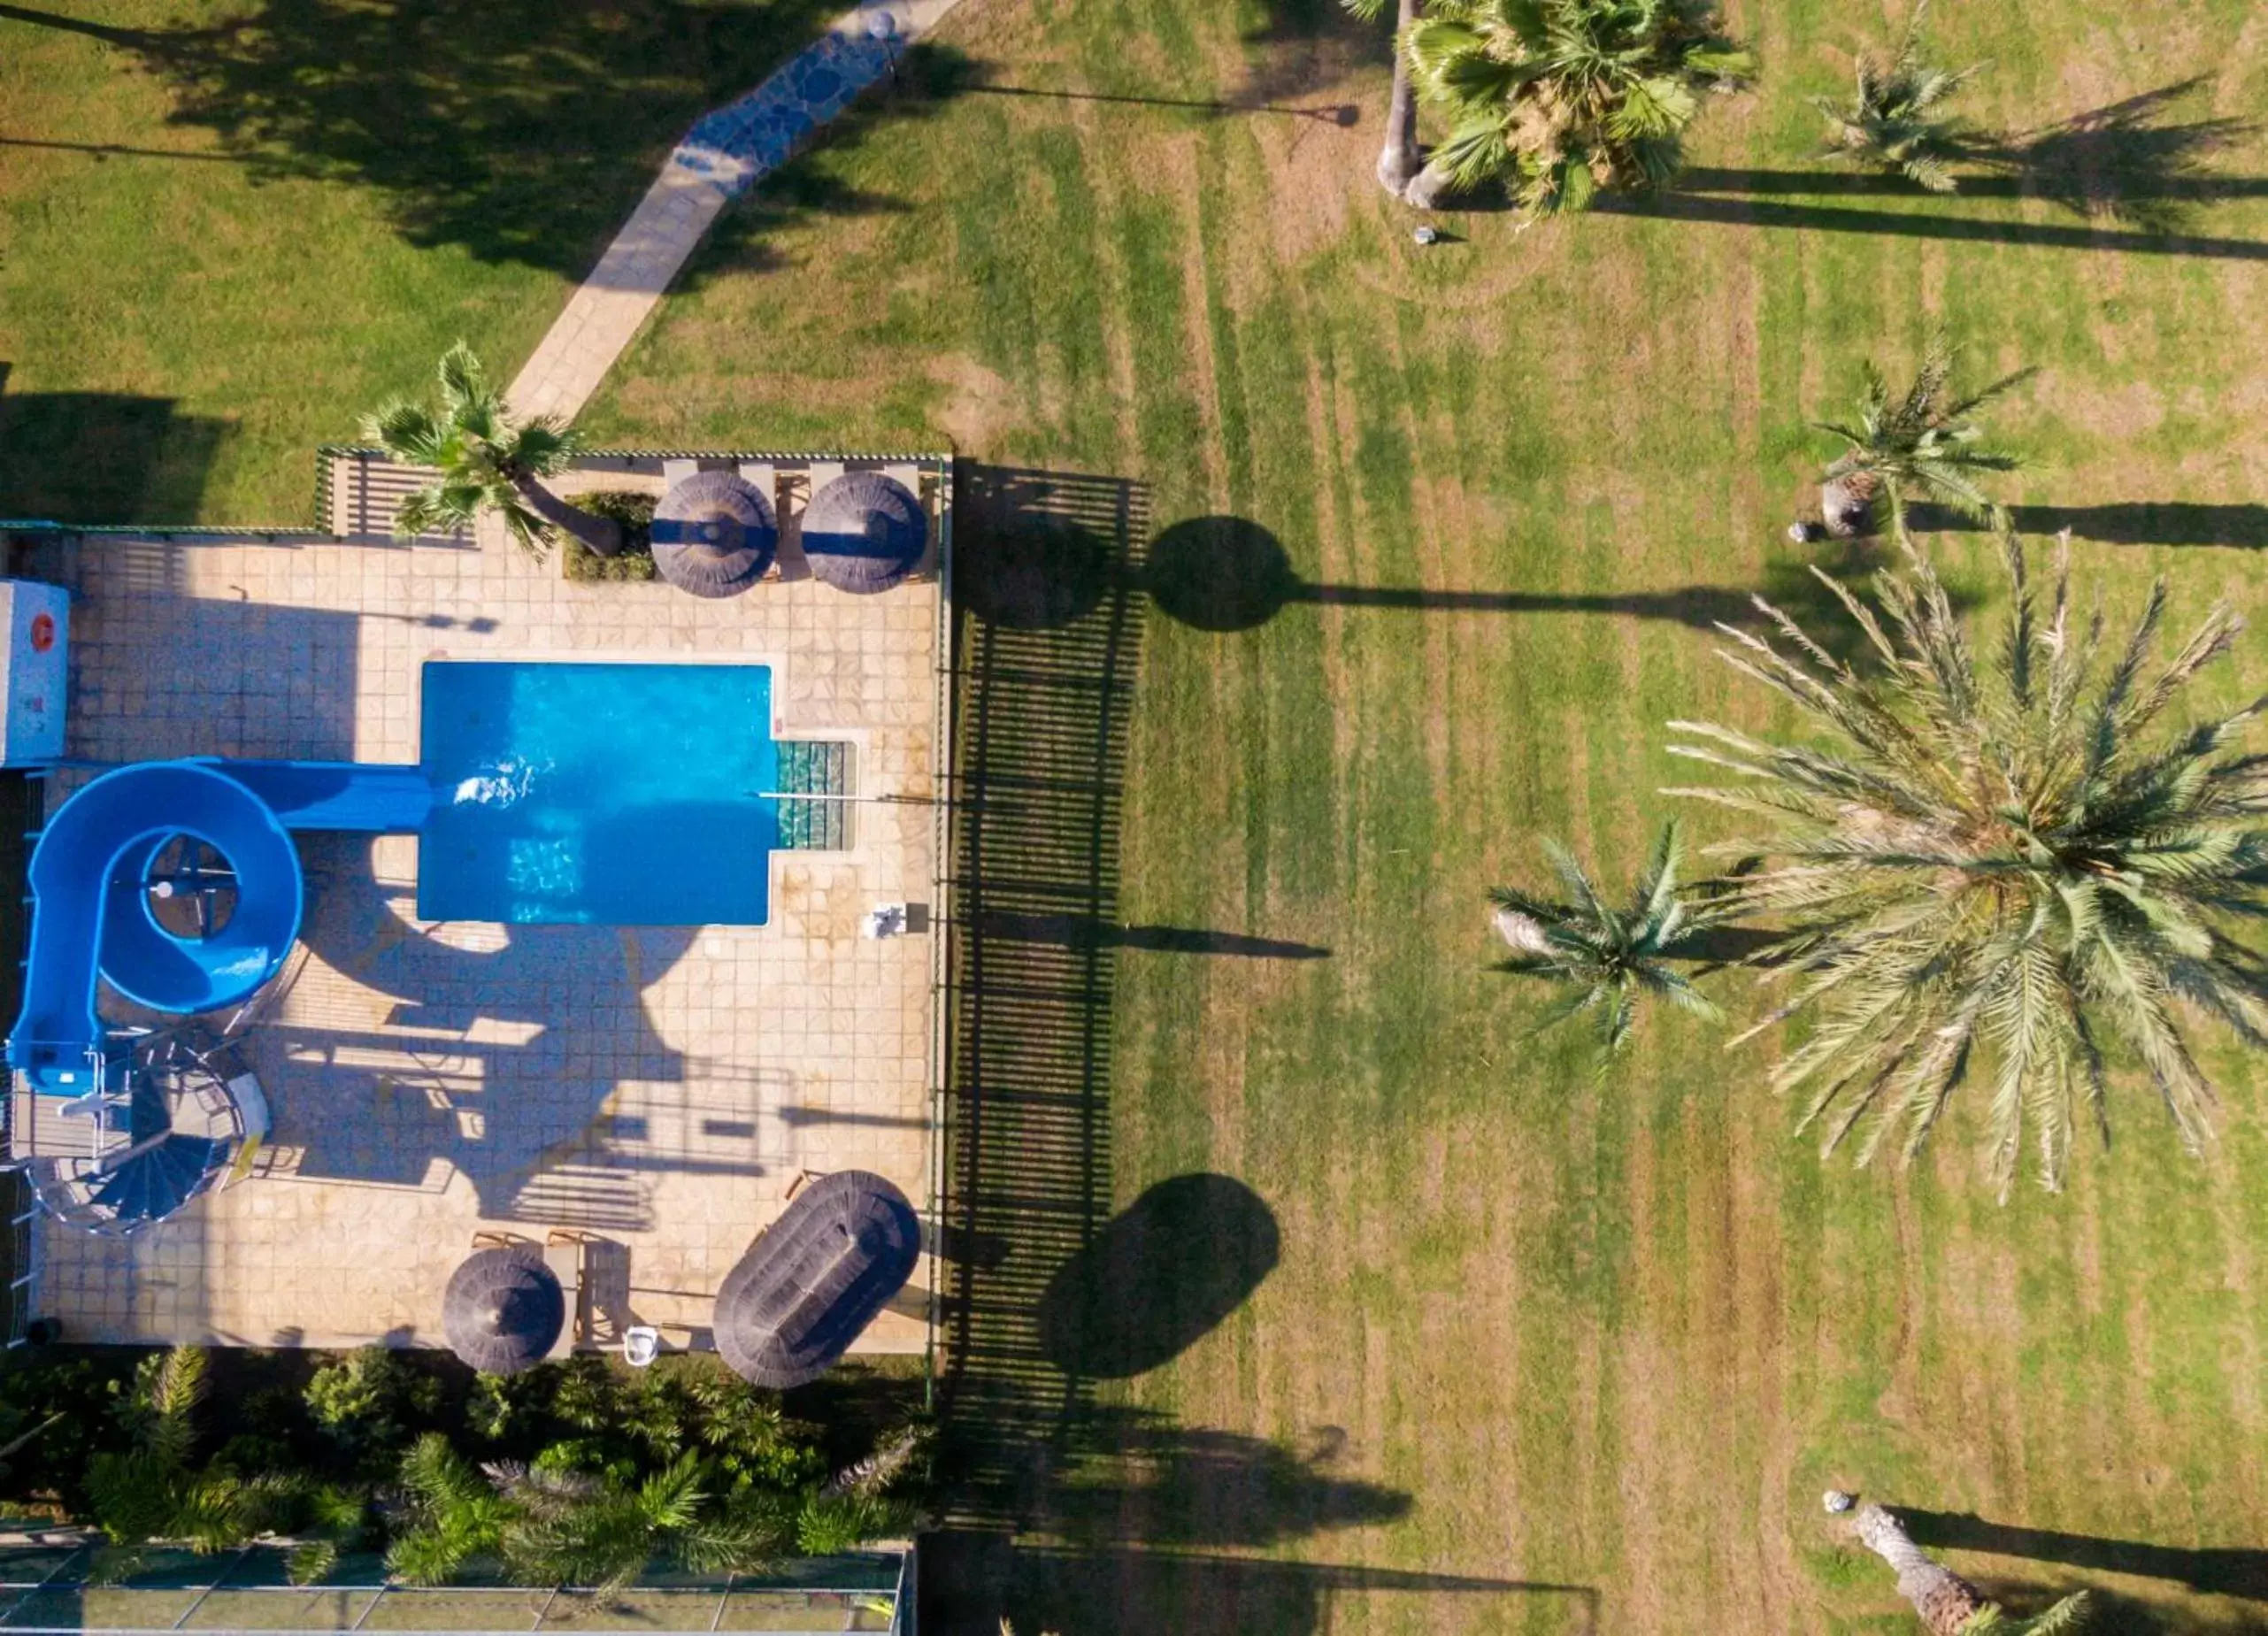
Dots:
(864, 532)
(815, 1278)
(503, 1310)
(714, 534)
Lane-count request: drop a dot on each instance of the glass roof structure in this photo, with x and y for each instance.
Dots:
(57, 1588)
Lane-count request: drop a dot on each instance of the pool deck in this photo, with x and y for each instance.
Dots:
(656, 1091)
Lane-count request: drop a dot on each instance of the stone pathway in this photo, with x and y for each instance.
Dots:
(720, 158)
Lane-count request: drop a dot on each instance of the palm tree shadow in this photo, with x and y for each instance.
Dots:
(2241, 1571)
(2130, 162)
(2141, 522)
(1228, 574)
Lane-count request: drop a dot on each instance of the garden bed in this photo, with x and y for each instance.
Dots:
(635, 564)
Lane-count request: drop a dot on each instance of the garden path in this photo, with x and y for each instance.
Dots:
(721, 158)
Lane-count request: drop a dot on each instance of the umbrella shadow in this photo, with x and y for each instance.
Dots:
(509, 1107)
(1160, 1277)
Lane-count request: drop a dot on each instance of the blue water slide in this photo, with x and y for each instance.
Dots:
(91, 873)
(358, 797)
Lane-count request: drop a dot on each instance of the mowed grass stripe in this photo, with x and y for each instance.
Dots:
(1616, 1336)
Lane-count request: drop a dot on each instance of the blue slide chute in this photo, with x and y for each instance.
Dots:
(91, 875)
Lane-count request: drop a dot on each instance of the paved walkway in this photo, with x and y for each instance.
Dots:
(720, 158)
(659, 1087)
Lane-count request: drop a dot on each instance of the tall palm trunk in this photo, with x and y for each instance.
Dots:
(600, 534)
(1425, 188)
(1398, 160)
(1943, 1598)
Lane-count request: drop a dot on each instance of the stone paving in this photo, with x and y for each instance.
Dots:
(657, 1089)
(721, 158)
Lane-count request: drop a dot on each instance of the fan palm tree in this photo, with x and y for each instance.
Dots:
(1894, 120)
(1399, 158)
(1608, 958)
(485, 461)
(2007, 859)
(1948, 1604)
(1924, 443)
(1561, 98)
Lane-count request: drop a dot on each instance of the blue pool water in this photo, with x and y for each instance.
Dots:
(603, 794)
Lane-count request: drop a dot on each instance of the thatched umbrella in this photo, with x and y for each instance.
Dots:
(714, 534)
(503, 1310)
(864, 532)
(815, 1278)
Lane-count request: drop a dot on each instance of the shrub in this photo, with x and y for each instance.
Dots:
(366, 1404)
(635, 562)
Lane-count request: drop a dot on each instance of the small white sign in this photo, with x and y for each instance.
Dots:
(36, 620)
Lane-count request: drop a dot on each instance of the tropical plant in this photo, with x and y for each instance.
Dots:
(1894, 120)
(1399, 159)
(484, 461)
(832, 1524)
(1608, 958)
(155, 1490)
(454, 1517)
(750, 1437)
(1559, 99)
(2005, 859)
(363, 1404)
(572, 1528)
(335, 1519)
(892, 1458)
(1946, 1604)
(1924, 443)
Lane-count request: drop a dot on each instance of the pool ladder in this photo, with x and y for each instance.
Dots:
(818, 771)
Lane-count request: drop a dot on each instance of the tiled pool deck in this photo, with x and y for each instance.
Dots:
(657, 1089)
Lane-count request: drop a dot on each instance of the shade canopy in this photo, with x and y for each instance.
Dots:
(714, 534)
(815, 1278)
(864, 532)
(503, 1310)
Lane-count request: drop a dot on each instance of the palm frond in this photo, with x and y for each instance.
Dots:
(1561, 99)
(1607, 959)
(1982, 870)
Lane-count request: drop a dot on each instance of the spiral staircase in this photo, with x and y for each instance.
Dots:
(158, 1126)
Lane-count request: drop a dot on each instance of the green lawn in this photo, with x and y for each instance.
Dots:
(1608, 1339)
(1534, 1353)
(232, 226)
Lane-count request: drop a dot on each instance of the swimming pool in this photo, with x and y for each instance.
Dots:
(598, 795)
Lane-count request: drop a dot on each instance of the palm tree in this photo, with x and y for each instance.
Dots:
(456, 1517)
(1561, 98)
(1398, 159)
(155, 1490)
(485, 462)
(570, 1528)
(1923, 442)
(1996, 860)
(1608, 958)
(1948, 1604)
(1895, 122)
